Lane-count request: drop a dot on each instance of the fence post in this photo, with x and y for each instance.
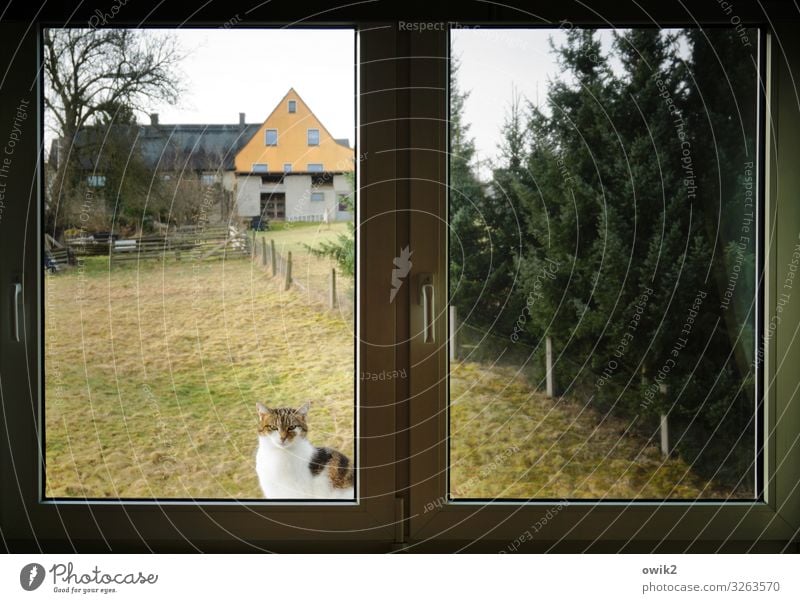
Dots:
(288, 282)
(263, 253)
(272, 256)
(333, 300)
(664, 424)
(453, 333)
(254, 245)
(548, 353)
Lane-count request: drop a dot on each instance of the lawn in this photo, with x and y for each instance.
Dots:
(509, 441)
(153, 372)
(312, 275)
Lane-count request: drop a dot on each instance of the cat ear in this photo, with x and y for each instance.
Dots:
(262, 410)
(303, 410)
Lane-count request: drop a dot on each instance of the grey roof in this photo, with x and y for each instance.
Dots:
(345, 142)
(196, 147)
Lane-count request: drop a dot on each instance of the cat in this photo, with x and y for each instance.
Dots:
(289, 466)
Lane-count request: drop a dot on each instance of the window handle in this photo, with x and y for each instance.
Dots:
(16, 295)
(428, 308)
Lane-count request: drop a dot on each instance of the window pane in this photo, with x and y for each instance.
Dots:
(164, 325)
(313, 137)
(604, 245)
(271, 138)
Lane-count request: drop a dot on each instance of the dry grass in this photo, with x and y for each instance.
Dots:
(152, 379)
(563, 450)
(153, 371)
(311, 273)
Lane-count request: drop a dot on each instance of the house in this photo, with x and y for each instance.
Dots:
(199, 153)
(293, 169)
(287, 168)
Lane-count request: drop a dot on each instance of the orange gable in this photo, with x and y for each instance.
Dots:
(292, 142)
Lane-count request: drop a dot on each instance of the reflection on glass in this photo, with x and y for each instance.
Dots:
(603, 242)
(188, 272)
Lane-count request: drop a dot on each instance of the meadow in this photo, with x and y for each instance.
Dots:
(153, 370)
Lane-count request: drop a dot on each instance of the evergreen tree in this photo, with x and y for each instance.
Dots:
(472, 251)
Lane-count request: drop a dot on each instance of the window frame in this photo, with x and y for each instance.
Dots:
(589, 525)
(29, 520)
(292, 106)
(401, 163)
(308, 137)
(266, 137)
(318, 194)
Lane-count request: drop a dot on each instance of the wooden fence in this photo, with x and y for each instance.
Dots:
(277, 264)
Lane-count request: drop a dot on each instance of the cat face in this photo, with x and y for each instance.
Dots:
(283, 426)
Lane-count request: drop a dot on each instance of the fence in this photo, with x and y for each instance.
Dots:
(478, 345)
(317, 282)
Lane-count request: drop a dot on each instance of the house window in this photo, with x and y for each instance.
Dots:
(317, 197)
(96, 180)
(260, 167)
(344, 202)
(287, 167)
(271, 138)
(313, 137)
(292, 106)
(315, 167)
(208, 179)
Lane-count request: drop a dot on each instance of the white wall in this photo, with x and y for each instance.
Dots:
(248, 196)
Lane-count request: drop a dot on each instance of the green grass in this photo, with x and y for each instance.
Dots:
(153, 371)
(509, 441)
(152, 379)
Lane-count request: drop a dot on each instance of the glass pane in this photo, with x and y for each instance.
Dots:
(187, 277)
(604, 223)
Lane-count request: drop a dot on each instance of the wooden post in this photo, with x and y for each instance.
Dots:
(453, 334)
(664, 425)
(548, 353)
(254, 244)
(263, 253)
(272, 256)
(333, 301)
(288, 282)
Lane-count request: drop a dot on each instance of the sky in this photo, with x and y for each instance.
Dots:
(228, 71)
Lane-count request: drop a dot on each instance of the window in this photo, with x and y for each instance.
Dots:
(344, 202)
(315, 167)
(423, 481)
(313, 137)
(292, 106)
(195, 248)
(645, 385)
(287, 167)
(96, 180)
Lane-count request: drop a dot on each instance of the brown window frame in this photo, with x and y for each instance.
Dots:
(402, 112)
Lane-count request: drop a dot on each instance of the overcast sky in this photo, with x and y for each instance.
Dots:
(235, 70)
(228, 71)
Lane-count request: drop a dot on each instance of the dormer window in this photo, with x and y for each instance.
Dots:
(271, 138)
(292, 106)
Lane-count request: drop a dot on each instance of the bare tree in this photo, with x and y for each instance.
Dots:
(89, 71)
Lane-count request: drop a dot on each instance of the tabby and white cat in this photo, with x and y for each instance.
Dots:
(289, 466)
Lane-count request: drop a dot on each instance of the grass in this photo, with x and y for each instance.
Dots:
(311, 273)
(508, 441)
(153, 372)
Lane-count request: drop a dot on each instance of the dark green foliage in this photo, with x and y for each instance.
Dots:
(619, 226)
(342, 250)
